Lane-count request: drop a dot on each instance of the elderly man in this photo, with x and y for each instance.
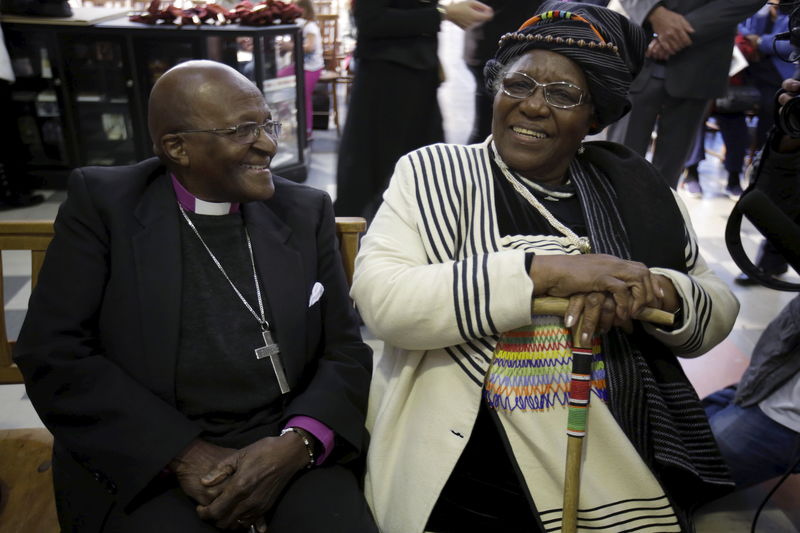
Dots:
(190, 344)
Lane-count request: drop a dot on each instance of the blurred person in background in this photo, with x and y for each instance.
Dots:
(767, 73)
(393, 106)
(687, 65)
(313, 63)
(480, 44)
(767, 66)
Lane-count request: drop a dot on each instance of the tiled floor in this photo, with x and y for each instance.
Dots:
(722, 366)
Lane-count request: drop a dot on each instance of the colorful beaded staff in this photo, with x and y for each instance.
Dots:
(576, 428)
(579, 389)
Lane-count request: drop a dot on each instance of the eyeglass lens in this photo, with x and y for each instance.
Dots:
(558, 94)
(249, 132)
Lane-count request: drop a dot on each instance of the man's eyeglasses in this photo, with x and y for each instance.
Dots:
(246, 133)
(560, 94)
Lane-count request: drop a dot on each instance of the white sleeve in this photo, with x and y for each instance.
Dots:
(708, 305)
(414, 300)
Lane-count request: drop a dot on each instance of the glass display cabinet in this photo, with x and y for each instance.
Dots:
(81, 92)
(38, 101)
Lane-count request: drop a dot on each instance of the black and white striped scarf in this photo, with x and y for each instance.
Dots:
(664, 421)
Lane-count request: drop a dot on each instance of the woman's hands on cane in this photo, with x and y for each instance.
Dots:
(604, 290)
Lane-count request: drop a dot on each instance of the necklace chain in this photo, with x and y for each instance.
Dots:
(554, 195)
(581, 243)
(262, 321)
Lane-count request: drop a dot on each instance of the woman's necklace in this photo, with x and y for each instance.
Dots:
(581, 243)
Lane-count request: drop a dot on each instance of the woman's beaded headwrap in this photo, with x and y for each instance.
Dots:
(608, 48)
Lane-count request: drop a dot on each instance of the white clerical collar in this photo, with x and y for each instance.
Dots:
(191, 203)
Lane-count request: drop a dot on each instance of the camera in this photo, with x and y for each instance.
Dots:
(787, 117)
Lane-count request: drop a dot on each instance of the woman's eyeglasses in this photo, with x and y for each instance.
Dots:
(246, 133)
(560, 94)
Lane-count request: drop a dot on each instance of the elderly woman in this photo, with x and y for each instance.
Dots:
(469, 398)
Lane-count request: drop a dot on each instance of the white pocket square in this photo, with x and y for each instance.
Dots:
(316, 293)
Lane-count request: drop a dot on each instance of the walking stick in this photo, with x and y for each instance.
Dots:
(550, 305)
(580, 386)
(579, 394)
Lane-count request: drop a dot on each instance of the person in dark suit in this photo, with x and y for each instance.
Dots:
(393, 107)
(190, 343)
(687, 65)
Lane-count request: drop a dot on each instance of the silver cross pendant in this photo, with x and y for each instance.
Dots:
(271, 351)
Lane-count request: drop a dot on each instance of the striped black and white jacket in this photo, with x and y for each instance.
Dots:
(436, 282)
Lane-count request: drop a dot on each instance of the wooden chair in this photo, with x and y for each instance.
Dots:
(329, 30)
(26, 480)
(34, 236)
(335, 73)
(27, 502)
(325, 7)
(349, 230)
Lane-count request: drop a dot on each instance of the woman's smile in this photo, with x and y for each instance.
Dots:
(529, 134)
(535, 138)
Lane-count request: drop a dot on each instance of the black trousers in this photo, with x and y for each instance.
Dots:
(321, 500)
(678, 119)
(393, 110)
(784, 193)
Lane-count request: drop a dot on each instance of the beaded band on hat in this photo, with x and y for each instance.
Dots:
(552, 16)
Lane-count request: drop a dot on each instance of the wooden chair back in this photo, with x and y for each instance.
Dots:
(349, 231)
(26, 479)
(329, 29)
(325, 7)
(335, 72)
(33, 236)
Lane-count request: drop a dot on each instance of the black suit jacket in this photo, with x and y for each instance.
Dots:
(701, 69)
(99, 343)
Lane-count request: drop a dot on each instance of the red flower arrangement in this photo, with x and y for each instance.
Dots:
(267, 13)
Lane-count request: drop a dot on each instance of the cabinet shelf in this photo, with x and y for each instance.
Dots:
(100, 99)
